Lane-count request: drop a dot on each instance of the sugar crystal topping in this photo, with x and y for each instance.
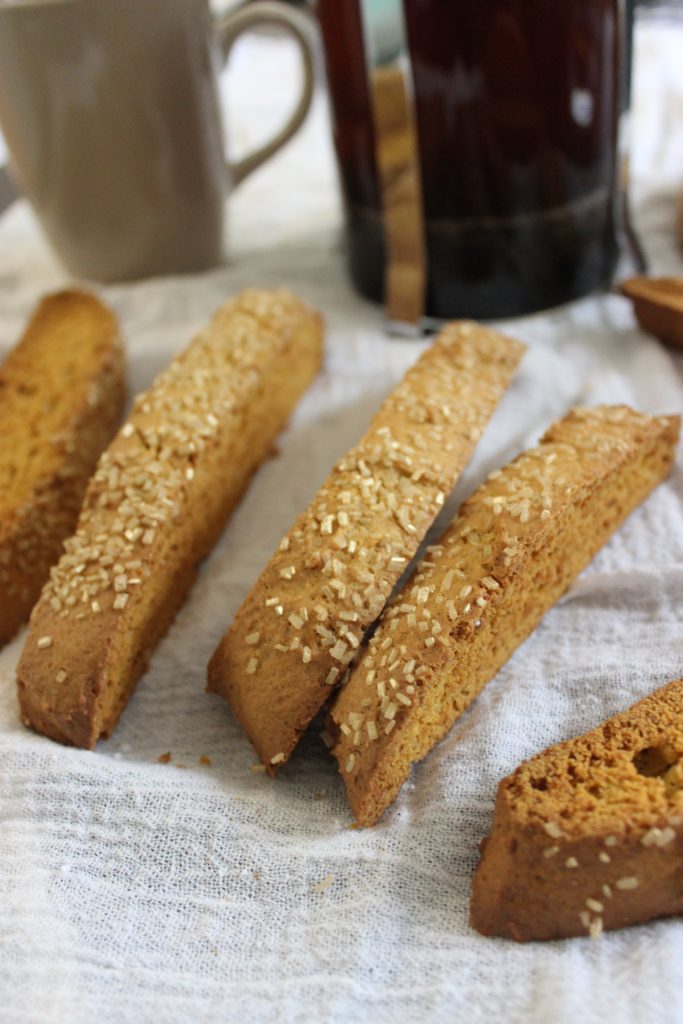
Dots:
(335, 569)
(460, 581)
(144, 479)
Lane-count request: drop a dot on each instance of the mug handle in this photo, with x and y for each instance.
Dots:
(229, 27)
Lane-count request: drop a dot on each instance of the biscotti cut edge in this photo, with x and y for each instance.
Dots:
(515, 547)
(62, 392)
(588, 835)
(156, 505)
(303, 621)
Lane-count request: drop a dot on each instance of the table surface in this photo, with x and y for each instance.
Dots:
(131, 889)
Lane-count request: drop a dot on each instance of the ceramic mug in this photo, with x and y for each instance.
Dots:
(111, 114)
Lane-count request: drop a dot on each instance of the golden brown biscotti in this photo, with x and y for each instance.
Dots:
(62, 391)
(158, 501)
(588, 835)
(515, 547)
(304, 619)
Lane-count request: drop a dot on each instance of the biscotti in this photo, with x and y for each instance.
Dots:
(303, 621)
(588, 835)
(159, 499)
(62, 392)
(515, 547)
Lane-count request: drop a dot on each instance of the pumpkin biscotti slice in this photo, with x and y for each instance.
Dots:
(588, 835)
(304, 619)
(513, 550)
(62, 392)
(159, 499)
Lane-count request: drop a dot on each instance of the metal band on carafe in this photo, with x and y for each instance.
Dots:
(397, 159)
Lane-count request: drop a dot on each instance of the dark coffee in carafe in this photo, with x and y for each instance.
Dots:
(516, 106)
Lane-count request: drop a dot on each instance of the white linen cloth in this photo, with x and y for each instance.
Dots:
(135, 891)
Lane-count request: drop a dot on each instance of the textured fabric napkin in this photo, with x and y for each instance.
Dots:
(133, 890)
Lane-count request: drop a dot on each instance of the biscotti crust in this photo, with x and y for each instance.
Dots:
(304, 619)
(588, 835)
(62, 392)
(159, 499)
(515, 547)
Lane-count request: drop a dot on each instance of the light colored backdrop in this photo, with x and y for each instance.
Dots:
(133, 891)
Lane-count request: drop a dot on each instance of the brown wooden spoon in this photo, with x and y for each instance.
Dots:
(658, 306)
